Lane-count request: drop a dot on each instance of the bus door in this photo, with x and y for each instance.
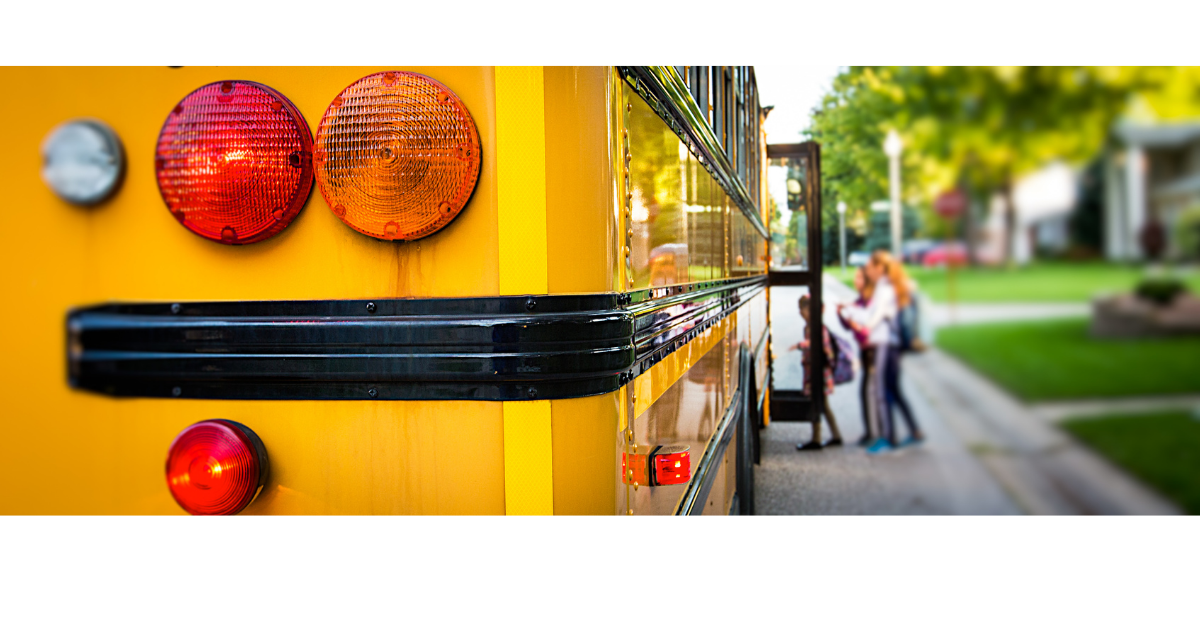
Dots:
(793, 187)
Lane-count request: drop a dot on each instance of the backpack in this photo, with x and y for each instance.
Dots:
(907, 324)
(843, 366)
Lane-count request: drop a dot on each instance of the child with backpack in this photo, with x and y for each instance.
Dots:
(831, 360)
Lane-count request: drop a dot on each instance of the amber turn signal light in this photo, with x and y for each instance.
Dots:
(397, 156)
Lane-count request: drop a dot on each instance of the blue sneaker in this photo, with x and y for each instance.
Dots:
(879, 446)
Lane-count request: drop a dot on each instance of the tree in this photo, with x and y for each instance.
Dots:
(982, 127)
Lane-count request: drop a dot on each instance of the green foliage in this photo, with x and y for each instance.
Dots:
(1187, 233)
(1160, 290)
(1057, 359)
(1159, 448)
(979, 127)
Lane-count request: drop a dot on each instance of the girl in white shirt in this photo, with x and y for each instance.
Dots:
(878, 321)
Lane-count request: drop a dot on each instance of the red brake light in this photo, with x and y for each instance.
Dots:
(216, 467)
(234, 162)
(397, 156)
(670, 465)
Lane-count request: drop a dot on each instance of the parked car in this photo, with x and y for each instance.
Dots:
(945, 253)
(913, 251)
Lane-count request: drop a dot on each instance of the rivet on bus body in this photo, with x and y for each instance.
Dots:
(175, 308)
(372, 393)
(629, 107)
(532, 392)
(530, 303)
(371, 308)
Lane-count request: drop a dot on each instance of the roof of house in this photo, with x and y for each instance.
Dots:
(1159, 135)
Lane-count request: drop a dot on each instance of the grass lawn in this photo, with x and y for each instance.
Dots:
(1160, 449)
(1057, 359)
(1042, 282)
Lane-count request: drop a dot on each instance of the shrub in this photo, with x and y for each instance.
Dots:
(1160, 290)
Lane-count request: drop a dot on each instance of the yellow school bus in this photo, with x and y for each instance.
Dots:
(392, 290)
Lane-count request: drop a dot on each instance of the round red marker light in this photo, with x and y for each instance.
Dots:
(397, 156)
(216, 467)
(234, 162)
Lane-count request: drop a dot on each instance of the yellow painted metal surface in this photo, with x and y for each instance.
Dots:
(651, 385)
(686, 401)
(521, 158)
(546, 216)
(90, 454)
(581, 227)
(584, 459)
(528, 458)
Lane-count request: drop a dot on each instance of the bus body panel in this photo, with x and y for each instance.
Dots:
(79, 452)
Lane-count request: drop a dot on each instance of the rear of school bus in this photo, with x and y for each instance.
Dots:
(400, 290)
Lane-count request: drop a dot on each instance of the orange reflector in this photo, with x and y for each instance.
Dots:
(397, 156)
(633, 469)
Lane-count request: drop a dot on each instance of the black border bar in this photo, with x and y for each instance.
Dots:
(486, 348)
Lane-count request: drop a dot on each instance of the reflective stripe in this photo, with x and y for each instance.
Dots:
(521, 180)
(528, 458)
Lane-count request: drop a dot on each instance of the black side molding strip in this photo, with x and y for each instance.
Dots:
(490, 348)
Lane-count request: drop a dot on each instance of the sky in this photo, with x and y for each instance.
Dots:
(794, 90)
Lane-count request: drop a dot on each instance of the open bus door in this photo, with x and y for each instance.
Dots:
(794, 184)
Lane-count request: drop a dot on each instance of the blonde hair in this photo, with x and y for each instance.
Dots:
(895, 274)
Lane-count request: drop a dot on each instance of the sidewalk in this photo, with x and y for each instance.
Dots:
(986, 452)
(943, 315)
(939, 477)
(1045, 471)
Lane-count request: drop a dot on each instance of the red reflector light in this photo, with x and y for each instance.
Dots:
(216, 467)
(670, 465)
(234, 162)
(397, 156)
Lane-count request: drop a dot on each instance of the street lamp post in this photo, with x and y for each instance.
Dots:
(892, 146)
(841, 209)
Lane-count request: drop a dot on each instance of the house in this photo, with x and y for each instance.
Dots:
(1155, 173)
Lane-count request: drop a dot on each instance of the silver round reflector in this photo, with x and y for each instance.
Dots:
(82, 161)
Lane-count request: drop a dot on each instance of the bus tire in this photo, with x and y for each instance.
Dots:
(747, 432)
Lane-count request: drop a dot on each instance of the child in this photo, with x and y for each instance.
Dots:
(866, 357)
(803, 346)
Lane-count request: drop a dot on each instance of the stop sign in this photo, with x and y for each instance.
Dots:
(951, 204)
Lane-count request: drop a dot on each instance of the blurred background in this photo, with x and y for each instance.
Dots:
(1050, 220)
